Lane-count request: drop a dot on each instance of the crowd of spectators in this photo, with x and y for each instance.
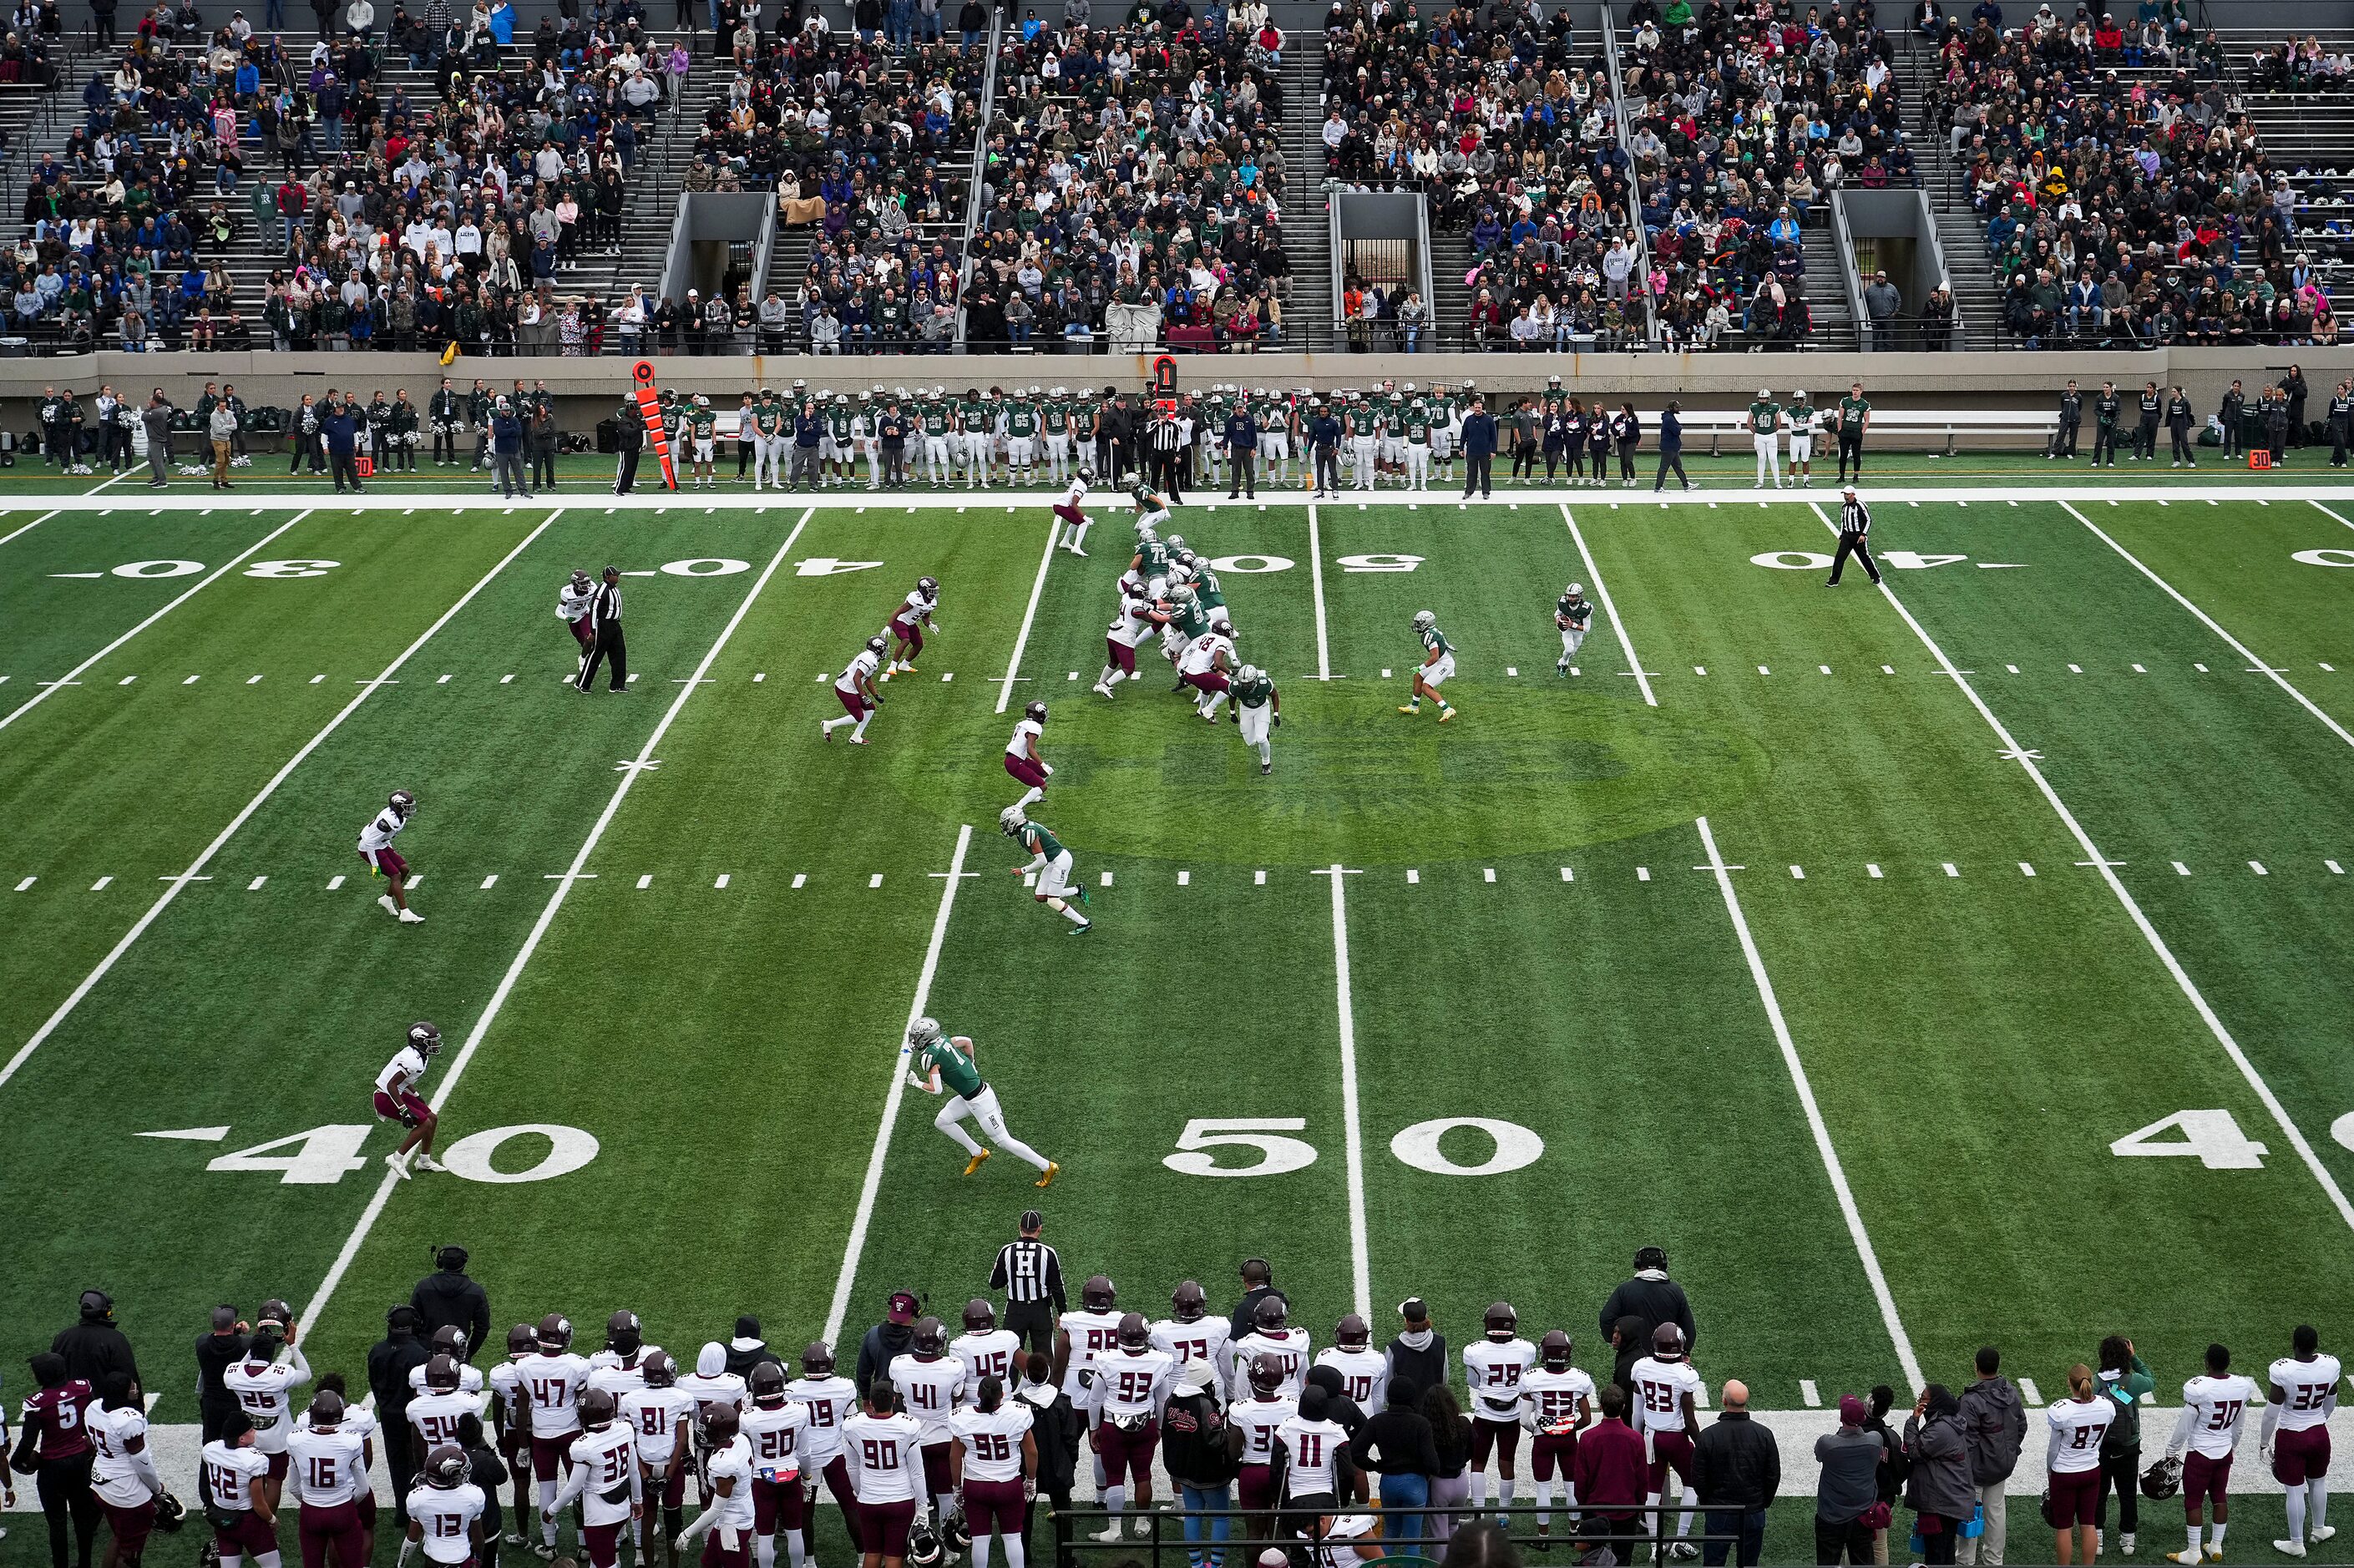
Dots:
(1740, 120)
(2128, 201)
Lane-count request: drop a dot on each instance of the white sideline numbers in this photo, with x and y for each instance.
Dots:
(291, 568)
(159, 568)
(705, 566)
(2325, 558)
(1278, 1154)
(325, 1155)
(1815, 561)
(1251, 566)
(1515, 1146)
(1380, 563)
(2211, 1134)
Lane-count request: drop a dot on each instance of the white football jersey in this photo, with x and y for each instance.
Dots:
(435, 1416)
(885, 1464)
(1493, 1371)
(2213, 1409)
(1135, 1383)
(506, 1383)
(604, 1463)
(406, 1066)
(327, 1467)
(1134, 623)
(1338, 1548)
(916, 606)
(1260, 1419)
(992, 1440)
(117, 1435)
(1203, 1340)
(550, 1386)
(775, 1436)
(711, 1393)
(987, 1355)
(470, 1378)
(864, 666)
(448, 1518)
(731, 1464)
(1074, 492)
(263, 1390)
(1314, 1448)
(929, 1391)
(1203, 650)
(1094, 1336)
(1659, 1388)
(1557, 1399)
(1360, 1372)
(616, 1374)
(380, 832)
(831, 1401)
(2076, 1428)
(232, 1472)
(1288, 1346)
(1028, 730)
(656, 1415)
(2310, 1387)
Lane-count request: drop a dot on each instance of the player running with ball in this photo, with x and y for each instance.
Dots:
(1052, 863)
(1258, 711)
(1572, 614)
(1437, 666)
(944, 1064)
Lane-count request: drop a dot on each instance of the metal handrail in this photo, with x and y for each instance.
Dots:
(1844, 242)
(1163, 1545)
(1634, 183)
(966, 265)
(1937, 254)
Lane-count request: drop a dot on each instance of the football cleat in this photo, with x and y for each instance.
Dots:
(1503, 1322)
(1189, 1302)
(1054, 1169)
(1098, 1293)
(976, 1163)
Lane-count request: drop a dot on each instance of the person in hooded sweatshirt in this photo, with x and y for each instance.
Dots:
(891, 1337)
(1652, 1296)
(1059, 1429)
(747, 1350)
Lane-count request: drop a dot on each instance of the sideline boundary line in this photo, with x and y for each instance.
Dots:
(239, 559)
(174, 885)
(491, 1009)
(870, 1186)
(2209, 622)
(2106, 868)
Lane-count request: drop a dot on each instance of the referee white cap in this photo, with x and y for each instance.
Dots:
(1847, 490)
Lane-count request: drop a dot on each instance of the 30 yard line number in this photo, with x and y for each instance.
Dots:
(1510, 1145)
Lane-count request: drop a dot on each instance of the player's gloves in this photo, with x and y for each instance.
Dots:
(1278, 721)
(1029, 1489)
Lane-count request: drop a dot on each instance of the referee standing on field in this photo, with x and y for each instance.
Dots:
(605, 634)
(1030, 1276)
(1166, 438)
(1855, 526)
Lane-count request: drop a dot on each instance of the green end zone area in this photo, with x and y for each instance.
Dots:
(1921, 973)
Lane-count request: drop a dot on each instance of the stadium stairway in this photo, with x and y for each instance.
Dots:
(1450, 304)
(1834, 324)
(1977, 302)
(1306, 235)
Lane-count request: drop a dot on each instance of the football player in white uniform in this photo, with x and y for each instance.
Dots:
(328, 1462)
(830, 1400)
(886, 1474)
(397, 1099)
(548, 1385)
(986, 1349)
(445, 1513)
(1022, 758)
(855, 689)
(2215, 1407)
(122, 1471)
(932, 1386)
(1352, 1354)
(1082, 1338)
(383, 860)
(1666, 1392)
(773, 1425)
(1208, 667)
(510, 1422)
(1135, 1379)
(1558, 1402)
(1258, 1419)
(995, 1463)
(435, 1416)
(604, 1475)
(621, 1366)
(1492, 1370)
(2300, 1396)
(264, 1383)
(1192, 1334)
(658, 1411)
(1071, 522)
(447, 1341)
(235, 1472)
(1310, 1452)
(713, 1388)
(727, 1496)
(1269, 1337)
(572, 604)
(1129, 630)
(908, 624)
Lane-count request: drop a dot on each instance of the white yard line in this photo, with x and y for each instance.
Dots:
(1602, 592)
(109, 483)
(1022, 639)
(174, 885)
(1316, 585)
(2209, 622)
(28, 527)
(1360, 1268)
(76, 673)
(2325, 511)
(1806, 1089)
(506, 985)
(872, 1184)
(2102, 863)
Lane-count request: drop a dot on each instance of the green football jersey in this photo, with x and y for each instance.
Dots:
(1154, 556)
(837, 421)
(1253, 694)
(1435, 641)
(1851, 411)
(1195, 619)
(1802, 419)
(1418, 423)
(1038, 839)
(1762, 417)
(973, 417)
(935, 418)
(958, 1074)
(1021, 421)
(705, 421)
(1206, 588)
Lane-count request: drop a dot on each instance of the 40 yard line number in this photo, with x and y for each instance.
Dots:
(1510, 1146)
(323, 1156)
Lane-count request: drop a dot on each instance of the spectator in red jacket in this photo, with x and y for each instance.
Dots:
(1611, 1475)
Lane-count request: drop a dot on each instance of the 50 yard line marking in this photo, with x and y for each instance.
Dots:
(173, 885)
(75, 674)
(352, 1244)
(1324, 649)
(1359, 1265)
(1832, 1167)
(2102, 863)
(1022, 637)
(2209, 622)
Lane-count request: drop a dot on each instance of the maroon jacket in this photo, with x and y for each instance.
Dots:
(53, 1425)
(1611, 1471)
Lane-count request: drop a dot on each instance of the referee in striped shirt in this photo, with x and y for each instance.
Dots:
(1168, 439)
(1030, 1275)
(604, 629)
(1855, 528)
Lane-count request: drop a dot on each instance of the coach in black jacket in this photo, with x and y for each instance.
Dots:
(1737, 1471)
(448, 1298)
(389, 1361)
(1652, 1296)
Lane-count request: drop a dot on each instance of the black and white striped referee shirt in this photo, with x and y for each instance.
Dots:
(607, 606)
(1166, 439)
(1854, 516)
(1028, 1270)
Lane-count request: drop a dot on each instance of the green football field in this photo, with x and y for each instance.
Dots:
(1968, 962)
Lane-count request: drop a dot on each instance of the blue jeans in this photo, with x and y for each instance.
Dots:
(1749, 1527)
(1197, 1502)
(1405, 1538)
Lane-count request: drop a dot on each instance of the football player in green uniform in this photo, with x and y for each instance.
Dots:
(934, 414)
(1572, 614)
(1765, 436)
(1052, 865)
(1438, 665)
(1021, 426)
(943, 1065)
(834, 449)
(705, 423)
(1257, 710)
(1802, 416)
